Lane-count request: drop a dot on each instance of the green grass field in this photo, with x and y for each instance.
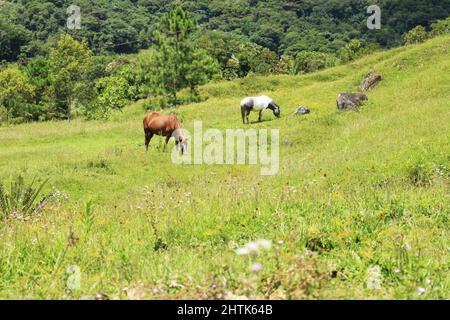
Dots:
(361, 197)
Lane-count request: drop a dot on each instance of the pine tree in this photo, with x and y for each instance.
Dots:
(178, 63)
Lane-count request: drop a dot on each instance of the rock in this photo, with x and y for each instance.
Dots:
(370, 81)
(350, 101)
(302, 110)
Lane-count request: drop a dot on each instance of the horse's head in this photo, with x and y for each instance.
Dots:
(275, 108)
(181, 141)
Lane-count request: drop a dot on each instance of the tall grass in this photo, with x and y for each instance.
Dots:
(20, 201)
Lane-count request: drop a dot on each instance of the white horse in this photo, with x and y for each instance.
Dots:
(259, 104)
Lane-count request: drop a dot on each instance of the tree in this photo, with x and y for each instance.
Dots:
(201, 68)
(12, 37)
(416, 35)
(15, 92)
(69, 63)
(264, 62)
(111, 94)
(441, 27)
(177, 61)
(309, 61)
(351, 51)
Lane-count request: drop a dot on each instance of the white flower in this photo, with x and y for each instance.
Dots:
(265, 244)
(253, 247)
(421, 291)
(242, 251)
(256, 267)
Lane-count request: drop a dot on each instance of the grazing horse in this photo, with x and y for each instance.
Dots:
(258, 104)
(166, 126)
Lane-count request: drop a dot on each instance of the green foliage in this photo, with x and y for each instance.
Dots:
(12, 38)
(69, 62)
(232, 40)
(283, 27)
(111, 94)
(415, 36)
(178, 64)
(307, 61)
(88, 217)
(440, 27)
(20, 200)
(351, 51)
(285, 65)
(16, 93)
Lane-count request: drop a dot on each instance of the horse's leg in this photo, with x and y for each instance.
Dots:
(167, 141)
(148, 137)
(247, 113)
(260, 115)
(243, 114)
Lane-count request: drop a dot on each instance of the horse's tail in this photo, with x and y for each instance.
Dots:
(145, 123)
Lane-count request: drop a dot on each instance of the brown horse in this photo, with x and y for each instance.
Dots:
(166, 126)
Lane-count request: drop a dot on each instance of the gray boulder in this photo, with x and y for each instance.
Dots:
(302, 110)
(370, 81)
(350, 101)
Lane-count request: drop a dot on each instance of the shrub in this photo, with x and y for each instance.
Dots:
(416, 35)
(441, 27)
(111, 95)
(309, 61)
(351, 51)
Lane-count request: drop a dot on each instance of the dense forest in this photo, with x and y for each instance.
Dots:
(284, 27)
(50, 71)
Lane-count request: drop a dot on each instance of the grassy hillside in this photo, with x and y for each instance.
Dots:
(356, 191)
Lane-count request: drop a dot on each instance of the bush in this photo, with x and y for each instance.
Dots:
(416, 35)
(111, 94)
(441, 27)
(309, 61)
(351, 51)
(155, 104)
(285, 65)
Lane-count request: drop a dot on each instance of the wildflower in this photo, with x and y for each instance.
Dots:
(256, 267)
(429, 281)
(421, 291)
(174, 284)
(265, 244)
(407, 246)
(242, 251)
(254, 247)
